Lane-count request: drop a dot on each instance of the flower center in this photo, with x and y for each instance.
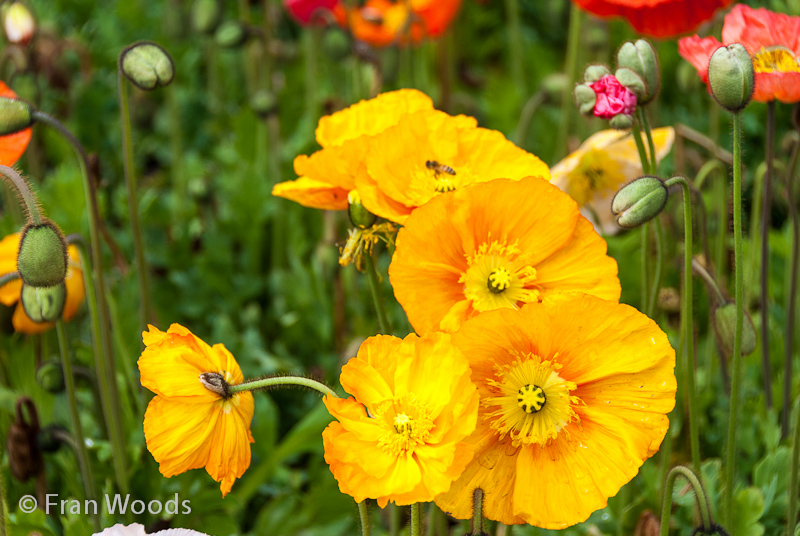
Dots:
(775, 59)
(406, 424)
(442, 176)
(596, 173)
(499, 276)
(530, 401)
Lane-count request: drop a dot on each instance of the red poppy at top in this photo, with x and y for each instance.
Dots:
(657, 18)
(385, 22)
(308, 11)
(772, 39)
(12, 145)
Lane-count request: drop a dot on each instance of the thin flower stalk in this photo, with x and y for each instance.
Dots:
(265, 383)
(363, 516)
(477, 512)
(791, 514)
(766, 368)
(659, 236)
(374, 287)
(104, 357)
(20, 187)
(133, 201)
(77, 430)
(515, 47)
(722, 198)
(573, 45)
(687, 318)
(792, 297)
(730, 459)
(702, 501)
(415, 528)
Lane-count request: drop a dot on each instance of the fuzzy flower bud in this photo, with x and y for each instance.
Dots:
(231, 34)
(640, 57)
(19, 24)
(42, 258)
(15, 115)
(359, 216)
(725, 327)
(612, 98)
(639, 201)
(44, 304)
(731, 77)
(50, 377)
(585, 99)
(595, 72)
(206, 16)
(147, 65)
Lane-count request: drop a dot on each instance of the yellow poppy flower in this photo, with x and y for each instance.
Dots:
(400, 436)
(493, 245)
(428, 153)
(605, 162)
(10, 293)
(187, 425)
(574, 396)
(326, 176)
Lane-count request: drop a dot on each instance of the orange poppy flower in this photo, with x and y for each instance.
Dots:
(428, 153)
(772, 39)
(328, 175)
(495, 245)
(657, 18)
(12, 146)
(10, 293)
(575, 393)
(384, 22)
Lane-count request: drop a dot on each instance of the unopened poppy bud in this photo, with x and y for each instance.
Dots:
(42, 258)
(632, 81)
(359, 216)
(725, 327)
(263, 103)
(621, 121)
(639, 201)
(595, 72)
(336, 43)
(15, 115)
(50, 377)
(147, 65)
(231, 34)
(640, 57)
(19, 24)
(44, 304)
(731, 77)
(585, 99)
(206, 16)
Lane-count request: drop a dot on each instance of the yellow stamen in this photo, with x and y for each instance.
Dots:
(444, 184)
(775, 59)
(498, 276)
(405, 421)
(596, 174)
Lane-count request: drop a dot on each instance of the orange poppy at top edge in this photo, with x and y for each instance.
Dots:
(12, 146)
(657, 18)
(772, 39)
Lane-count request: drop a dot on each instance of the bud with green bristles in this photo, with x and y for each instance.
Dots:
(15, 115)
(44, 304)
(640, 57)
(731, 77)
(42, 257)
(639, 201)
(147, 65)
(725, 326)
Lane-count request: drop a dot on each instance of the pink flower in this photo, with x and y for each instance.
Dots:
(309, 11)
(612, 98)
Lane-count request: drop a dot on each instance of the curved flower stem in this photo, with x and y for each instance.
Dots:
(277, 381)
(730, 459)
(104, 358)
(651, 304)
(650, 144)
(710, 281)
(791, 514)
(3, 528)
(722, 199)
(687, 314)
(133, 201)
(765, 224)
(702, 501)
(477, 512)
(791, 298)
(8, 278)
(416, 520)
(20, 187)
(80, 441)
(573, 44)
(526, 116)
(637, 138)
(374, 287)
(515, 46)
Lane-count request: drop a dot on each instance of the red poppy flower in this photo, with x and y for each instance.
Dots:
(772, 39)
(657, 18)
(306, 12)
(384, 22)
(12, 145)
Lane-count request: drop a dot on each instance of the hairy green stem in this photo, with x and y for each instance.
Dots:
(278, 381)
(133, 201)
(416, 520)
(791, 298)
(8, 278)
(651, 304)
(515, 46)
(730, 458)
(75, 416)
(700, 495)
(791, 514)
(573, 45)
(687, 317)
(18, 184)
(374, 287)
(104, 357)
(363, 517)
(722, 198)
(700, 270)
(650, 144)
(766, 366)
(477, 512)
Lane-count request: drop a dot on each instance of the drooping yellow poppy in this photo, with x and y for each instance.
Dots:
(574, 396)
(187, 425)
(10, 293)
(594, 173)
(326, 176)
(428, 153)
(400, 436)
(494, 245)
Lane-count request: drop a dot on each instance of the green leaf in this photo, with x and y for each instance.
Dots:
(748, 507)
